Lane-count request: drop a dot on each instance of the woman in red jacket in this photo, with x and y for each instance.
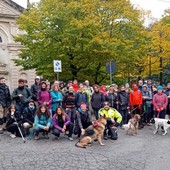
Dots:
(160, 101)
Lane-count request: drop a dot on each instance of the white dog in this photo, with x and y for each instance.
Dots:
(162, 123)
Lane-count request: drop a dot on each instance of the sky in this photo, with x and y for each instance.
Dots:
(157, 7)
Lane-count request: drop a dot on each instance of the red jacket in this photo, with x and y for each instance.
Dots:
(75, 87)
(135, 97)
(160, 101)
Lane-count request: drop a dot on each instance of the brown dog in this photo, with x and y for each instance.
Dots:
(98, 128)
(133, 124)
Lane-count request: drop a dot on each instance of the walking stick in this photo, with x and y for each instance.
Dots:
(20, 130)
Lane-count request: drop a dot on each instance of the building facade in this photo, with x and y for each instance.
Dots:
(9, 49)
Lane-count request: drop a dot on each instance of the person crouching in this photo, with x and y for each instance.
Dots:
(114, 119)
(13, 122)
(61, 123)
(42, 122)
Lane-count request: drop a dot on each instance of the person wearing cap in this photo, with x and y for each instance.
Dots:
(35, 87)
(167, 92)
(5, 100)
(28, 115)
(21, 96)
(83, 119)
(114, 119)
(160, 102)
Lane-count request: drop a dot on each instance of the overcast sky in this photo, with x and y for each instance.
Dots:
(156, 6)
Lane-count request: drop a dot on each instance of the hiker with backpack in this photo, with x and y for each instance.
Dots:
(21, 96)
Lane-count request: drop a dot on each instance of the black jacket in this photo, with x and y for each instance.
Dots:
(111, 98)
(123, 99)
(5, 97)
(69, 100)
(14, 118)
(26, 95)
(28, 115)
(97, 100)
(34, 89)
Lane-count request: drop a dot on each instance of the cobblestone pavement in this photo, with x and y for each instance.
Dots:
(142, 152)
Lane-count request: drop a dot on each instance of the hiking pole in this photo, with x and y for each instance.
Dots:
(20, 130)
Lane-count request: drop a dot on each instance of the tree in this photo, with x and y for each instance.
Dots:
(84, 35)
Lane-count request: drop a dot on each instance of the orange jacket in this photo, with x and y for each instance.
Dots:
(135, 97)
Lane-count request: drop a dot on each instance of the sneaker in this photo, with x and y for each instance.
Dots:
(12, 136)
(70, 138)
(37, 138)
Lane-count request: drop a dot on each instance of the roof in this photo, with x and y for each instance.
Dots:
(14, 5)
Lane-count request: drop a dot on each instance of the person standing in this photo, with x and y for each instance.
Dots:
(160, 102)
(167, 92)
(35, 88)
(21, 96)
(123, 100)
(5, 101)
(69, 103)
(44, 96)
(97, 100)
(57, 98)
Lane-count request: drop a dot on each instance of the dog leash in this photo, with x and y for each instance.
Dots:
(133, 109)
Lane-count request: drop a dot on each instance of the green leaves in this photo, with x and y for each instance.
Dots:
(84, 35)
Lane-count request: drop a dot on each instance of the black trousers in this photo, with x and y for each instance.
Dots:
(77, 130)
(69, 128)
(13, 128)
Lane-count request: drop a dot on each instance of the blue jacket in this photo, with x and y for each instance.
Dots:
(42, 121)
(56, 99)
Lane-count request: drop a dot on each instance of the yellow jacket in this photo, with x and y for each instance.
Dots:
(111, 113)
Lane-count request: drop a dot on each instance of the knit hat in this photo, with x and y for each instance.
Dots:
(159, 88)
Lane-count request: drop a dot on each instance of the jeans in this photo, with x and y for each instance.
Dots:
(69, 128)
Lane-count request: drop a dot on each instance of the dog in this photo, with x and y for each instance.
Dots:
(162, 123)
(93, 132)
(132, 125)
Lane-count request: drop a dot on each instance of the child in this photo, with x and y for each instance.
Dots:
(12, 120)
(61, 123)
(42, 121)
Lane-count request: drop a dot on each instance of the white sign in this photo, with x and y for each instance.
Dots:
(57, 66)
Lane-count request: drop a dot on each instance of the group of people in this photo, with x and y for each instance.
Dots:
(68, 108)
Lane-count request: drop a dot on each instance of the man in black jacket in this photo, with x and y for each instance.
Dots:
(21, 96)
(5, 100)
(35, 88)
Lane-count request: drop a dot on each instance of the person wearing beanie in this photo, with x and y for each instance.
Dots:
(167, 92)
(83, 119)
(160, 102)
(35, 87)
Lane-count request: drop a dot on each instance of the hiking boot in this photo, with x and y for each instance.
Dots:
(1, 129)
(45, 135)
(70, 139)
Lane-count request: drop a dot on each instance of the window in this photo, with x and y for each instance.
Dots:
(0, 40)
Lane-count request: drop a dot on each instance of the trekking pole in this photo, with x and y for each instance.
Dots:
(20, 130)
